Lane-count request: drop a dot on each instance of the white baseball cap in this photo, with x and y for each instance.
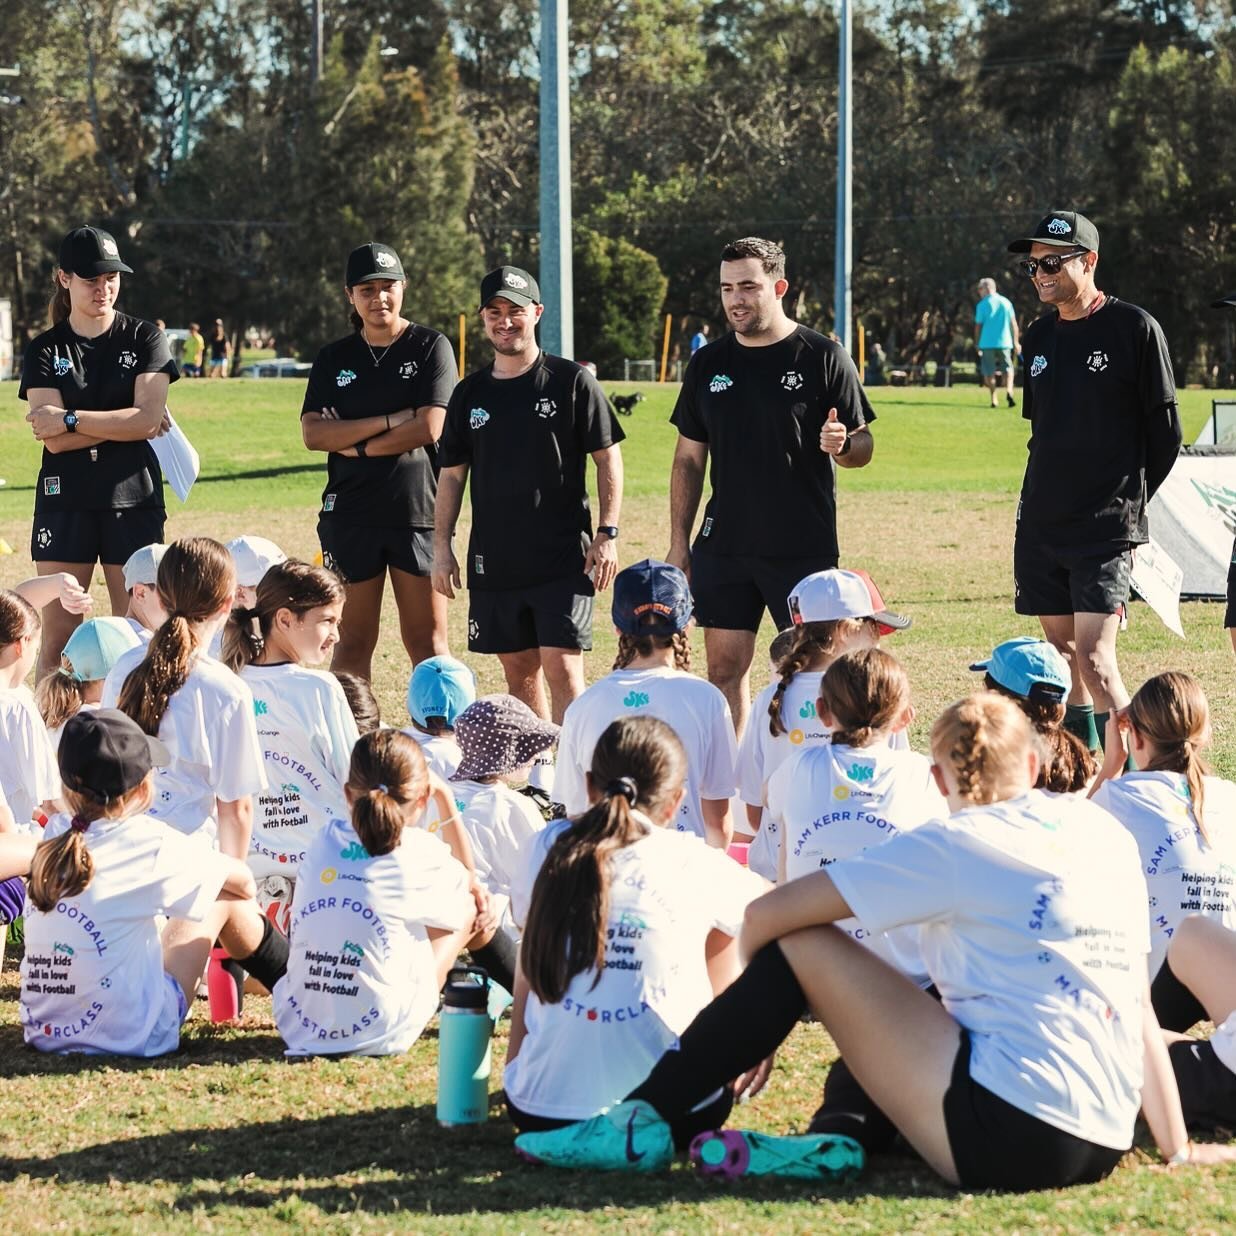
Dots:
(143, 566)
(827, 596)
(253, 556)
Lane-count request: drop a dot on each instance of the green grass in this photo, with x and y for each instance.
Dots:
(226, 1137)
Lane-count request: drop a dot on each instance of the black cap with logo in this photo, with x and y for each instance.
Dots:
(511, 283)
(89, 251)
(1225, 302)
(104, 753)
(1062, 229)
(373, 261)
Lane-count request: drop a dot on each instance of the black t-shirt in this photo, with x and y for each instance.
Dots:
(1092, 385)
(760, 410)
(97, 375)
(527, 442)
(417, 371)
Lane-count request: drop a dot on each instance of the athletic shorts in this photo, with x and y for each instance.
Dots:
(1053, 579)
(109, 537)
(1229, 616)
(553, 615)
(1176, 1007)
(994, 361)
(358, 553)
(1207, 1086)
(998, 1146)
(732, 592)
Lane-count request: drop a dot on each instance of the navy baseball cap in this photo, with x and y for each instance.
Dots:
(511, 283)
(89, 251)
(1028, 667)
(652, 598)
(373, 261)
(440, 687)
(1062, 229)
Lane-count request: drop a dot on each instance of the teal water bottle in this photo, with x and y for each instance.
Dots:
(464, 1030)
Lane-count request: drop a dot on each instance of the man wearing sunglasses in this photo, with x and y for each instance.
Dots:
(1101, 402)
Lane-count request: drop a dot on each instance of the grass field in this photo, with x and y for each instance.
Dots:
(225, 1137)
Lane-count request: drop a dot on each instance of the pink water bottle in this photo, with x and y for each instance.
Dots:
(221, 988)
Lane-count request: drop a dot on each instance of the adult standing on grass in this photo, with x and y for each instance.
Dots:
(997, 337)
(1229, 617)
(776, 406)
(195, 351)
(1101, 401)
(97, 384)
(375, 403)
(525, 426)
(220, 351)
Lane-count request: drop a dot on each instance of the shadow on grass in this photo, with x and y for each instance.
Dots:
(420, 1168)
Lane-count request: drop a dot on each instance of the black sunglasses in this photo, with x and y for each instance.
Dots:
(1049, 264)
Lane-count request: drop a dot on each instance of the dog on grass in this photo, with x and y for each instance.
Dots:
(624, 405)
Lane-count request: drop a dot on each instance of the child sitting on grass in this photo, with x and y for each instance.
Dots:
(439, 689)
(88, 657)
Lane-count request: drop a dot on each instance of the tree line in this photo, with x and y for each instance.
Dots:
(238, 166)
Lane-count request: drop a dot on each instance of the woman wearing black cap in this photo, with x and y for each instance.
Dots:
(375, 403)
(97, 385)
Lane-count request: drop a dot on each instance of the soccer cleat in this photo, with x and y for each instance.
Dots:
(812, 1156)
(630, 1137)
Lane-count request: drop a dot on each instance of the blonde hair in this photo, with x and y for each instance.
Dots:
(984, 740)
(865, 691)
(59, 696)
(1170, 711)
(813, 642)
(632, 646)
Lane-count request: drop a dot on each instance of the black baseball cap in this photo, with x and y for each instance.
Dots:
(652, 598)
(104, 753)
(1062, 229)
(515, 285)
(373, 261)
(89, 251)
(1225, 302)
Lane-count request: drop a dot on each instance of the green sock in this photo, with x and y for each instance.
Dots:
(1079, 719)
(1100, 727)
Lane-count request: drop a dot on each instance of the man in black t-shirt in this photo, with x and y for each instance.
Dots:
(524, 426)
(777, 407)
(1101, 401)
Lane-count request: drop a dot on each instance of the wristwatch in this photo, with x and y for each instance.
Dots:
(610, 531)
(70, 421)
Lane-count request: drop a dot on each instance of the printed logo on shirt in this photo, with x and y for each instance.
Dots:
(51, 486)
(478, 418)
(706, 530)
(1037, 366)
(860, 771)
(328, 504)
(345, 377)
(260, 708)
(328, 875)
(44, 536)
(1045, 957)
(354, 852)
(1096, 362)
(480, 564)
(1058, 227)
(513, 280)
(127, 359)
(841, 793)
(329, 562)
(792, 380)
(61, 365)
(636, 699)
(384, 259)
(408, 369)
(474, 629)
(545, 408)
(352, 950)
(797, 737)
(65, 950)
(807, 710)
(720, 382)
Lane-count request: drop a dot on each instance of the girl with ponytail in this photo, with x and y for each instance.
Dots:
(88, 657)
(629, 928)
(379, 914)
(200, 710)
(1182, 818)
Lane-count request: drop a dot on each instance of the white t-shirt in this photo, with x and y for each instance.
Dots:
(498, 820)
(28, 771)
(210, 731)
(307, 733)
(92, 979)
(694, 709)
(1033, 929)
(140, 631)
(55, 733)
(666, 893)
(1184, 874)
(441, 751)
(833, 801)
(361, 975)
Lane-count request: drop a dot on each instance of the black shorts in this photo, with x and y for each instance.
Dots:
(1207, 1086)
(358, 553)
(732, 592)
(109, 537)
(1176, 1007)
(1053, 579)
(553, 615)
(998, 1146)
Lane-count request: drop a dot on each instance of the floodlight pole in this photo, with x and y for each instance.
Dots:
(844, 258)
(557, 283)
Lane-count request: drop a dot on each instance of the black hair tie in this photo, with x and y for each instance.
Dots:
(623, 787)
(78, 825)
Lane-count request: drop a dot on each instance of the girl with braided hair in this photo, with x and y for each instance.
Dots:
(629, 930)
(652, 677)
(1182, 818)
(1029, 1071)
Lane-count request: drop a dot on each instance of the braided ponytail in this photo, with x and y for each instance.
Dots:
(815, 645)
(984, 739)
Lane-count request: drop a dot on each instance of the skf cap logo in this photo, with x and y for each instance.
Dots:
(512, 280)
(1037, 366)
(1059, 227)
(383, 259)
(109, 247)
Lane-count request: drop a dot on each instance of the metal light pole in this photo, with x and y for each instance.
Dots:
(844, 259)
(557, 283)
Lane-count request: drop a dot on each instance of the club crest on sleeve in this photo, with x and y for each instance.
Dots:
(408, 369)
(345, 377)
(61, 365)
(1037, 366)
(720, 382)
(1096, 362)
(127, 359)
(792, 380)
(478, 418)
(545, 408)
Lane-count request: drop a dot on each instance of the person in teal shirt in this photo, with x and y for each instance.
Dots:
(996, 337)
